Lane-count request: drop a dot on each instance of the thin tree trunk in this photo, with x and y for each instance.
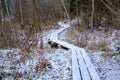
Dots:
(0, 11)
(1, 19)
(63, 4)
(2, 22)
(2, 14)
(21, 11)
(92, 15)
(6, 7)
(35, 22)
(51, 14)
(76, 5)
(10, 42)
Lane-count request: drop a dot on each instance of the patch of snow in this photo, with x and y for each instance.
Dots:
(108, 68)
(107, 64)
(25, 67)
(61, 66)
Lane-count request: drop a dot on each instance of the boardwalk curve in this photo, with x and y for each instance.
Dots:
(82, 68)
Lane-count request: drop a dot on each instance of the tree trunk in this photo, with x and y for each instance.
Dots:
(10, 37)
(76, 5)
(63, 4)
(92, 15)
(35, 22)
(21, 11)
(1, 16)
(2, 13)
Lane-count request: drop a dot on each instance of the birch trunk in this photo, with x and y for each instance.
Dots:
(63, 4)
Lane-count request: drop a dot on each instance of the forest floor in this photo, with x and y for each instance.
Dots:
(46, 64)
(102, 48)
(55, 63)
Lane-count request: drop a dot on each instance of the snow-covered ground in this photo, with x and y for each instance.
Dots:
(55, 64)
(101, 48)
(46, 64)
(107, 67)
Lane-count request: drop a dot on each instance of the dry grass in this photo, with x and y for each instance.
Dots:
(43, 65)
(11, 34)
(79, 39)
(91, 40)
(102, 46)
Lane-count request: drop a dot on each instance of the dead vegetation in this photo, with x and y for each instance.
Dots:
(21, 65)
(43, 65)
(26, 59)
(96, 40)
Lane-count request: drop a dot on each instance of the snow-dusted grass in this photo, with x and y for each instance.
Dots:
(61, 66)
(107, 67)
(17, 64)
(101, 49)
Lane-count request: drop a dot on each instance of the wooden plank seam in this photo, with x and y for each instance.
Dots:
(82, 68)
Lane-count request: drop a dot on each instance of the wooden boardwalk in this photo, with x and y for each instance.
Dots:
(82, 68)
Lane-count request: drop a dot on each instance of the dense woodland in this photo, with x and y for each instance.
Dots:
(25, 18)
(33, 16)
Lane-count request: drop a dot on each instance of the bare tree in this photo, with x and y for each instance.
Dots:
(1, 17)
(35, 22)
(92, 14)
(66, 11)
(21, 11)
(77, 13)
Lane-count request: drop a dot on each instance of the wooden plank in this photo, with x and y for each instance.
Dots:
(57, 42)
(52, 37)
(61, 30)
(75, 68)
(91, 69)
(82, 66)
(56, 38)
(65, 44)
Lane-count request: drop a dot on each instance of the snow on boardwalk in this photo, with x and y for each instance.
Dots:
(82, 68)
